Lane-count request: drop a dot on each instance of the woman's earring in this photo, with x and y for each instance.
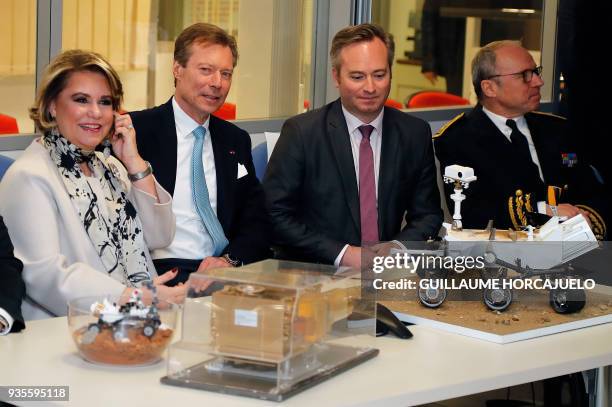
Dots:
(107, 148)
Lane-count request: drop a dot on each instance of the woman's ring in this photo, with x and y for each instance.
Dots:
(129, 126)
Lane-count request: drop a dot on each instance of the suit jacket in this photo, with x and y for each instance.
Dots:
(240, 202)
(60, 262)
(311, 185)
(474, 141)
(12, 287)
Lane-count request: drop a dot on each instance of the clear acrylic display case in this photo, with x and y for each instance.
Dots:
(271, 329)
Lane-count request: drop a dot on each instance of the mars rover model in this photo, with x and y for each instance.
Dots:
(545, 253)
(123, 318)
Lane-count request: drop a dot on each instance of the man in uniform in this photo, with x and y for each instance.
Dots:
(523, 159)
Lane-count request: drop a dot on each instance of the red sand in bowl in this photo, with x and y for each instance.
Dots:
(136, 349)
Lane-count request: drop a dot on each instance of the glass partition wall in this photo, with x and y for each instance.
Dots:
(274, 38)
(17, 65)
(272, 79)
(437, 39)
(283, 44)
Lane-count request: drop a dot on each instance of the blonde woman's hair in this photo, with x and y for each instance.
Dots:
(55, 79)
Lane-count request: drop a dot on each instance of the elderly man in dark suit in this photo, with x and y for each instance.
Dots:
(203, 161)
(345, 175)
(525, 160)
(12, 287)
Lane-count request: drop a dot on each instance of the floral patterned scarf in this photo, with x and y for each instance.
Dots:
(110, 220)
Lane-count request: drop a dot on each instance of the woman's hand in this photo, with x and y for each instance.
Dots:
(164, 278)
(124, 144)
(173, 295)
(176, 294)
(124, 147)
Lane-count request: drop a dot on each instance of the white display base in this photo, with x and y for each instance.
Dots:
(599, 290)
(507, 338)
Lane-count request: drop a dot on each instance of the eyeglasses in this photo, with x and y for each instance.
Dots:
(527, 74)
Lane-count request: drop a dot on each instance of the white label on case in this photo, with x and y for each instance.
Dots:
(243, 317)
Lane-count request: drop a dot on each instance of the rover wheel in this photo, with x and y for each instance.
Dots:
(148, 330)
(490, 257)
(119, 334)
(497, 299)
(567, 301)
(90, 335)
(432, 297)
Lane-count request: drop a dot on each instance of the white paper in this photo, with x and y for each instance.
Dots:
(243, 317)
(242, 171)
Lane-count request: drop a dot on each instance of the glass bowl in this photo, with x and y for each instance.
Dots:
(113, 331)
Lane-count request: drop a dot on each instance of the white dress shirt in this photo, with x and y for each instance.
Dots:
(9, 321)
(521, 124)
(191, 240)
(353, 123)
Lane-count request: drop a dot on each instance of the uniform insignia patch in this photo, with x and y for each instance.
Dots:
(569, 159)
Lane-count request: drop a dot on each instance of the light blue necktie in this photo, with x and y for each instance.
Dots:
(200, 194)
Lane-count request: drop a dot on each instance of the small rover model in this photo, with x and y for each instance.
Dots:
(121, 319)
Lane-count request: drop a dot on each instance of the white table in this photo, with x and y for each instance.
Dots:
(432, 366)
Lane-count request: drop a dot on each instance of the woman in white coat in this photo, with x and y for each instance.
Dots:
(83, 222)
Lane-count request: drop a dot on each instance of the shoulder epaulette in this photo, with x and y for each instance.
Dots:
(448, 124)
(549, 115)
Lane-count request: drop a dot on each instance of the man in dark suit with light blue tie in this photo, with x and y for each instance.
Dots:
(203, 161)
(346, 175)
